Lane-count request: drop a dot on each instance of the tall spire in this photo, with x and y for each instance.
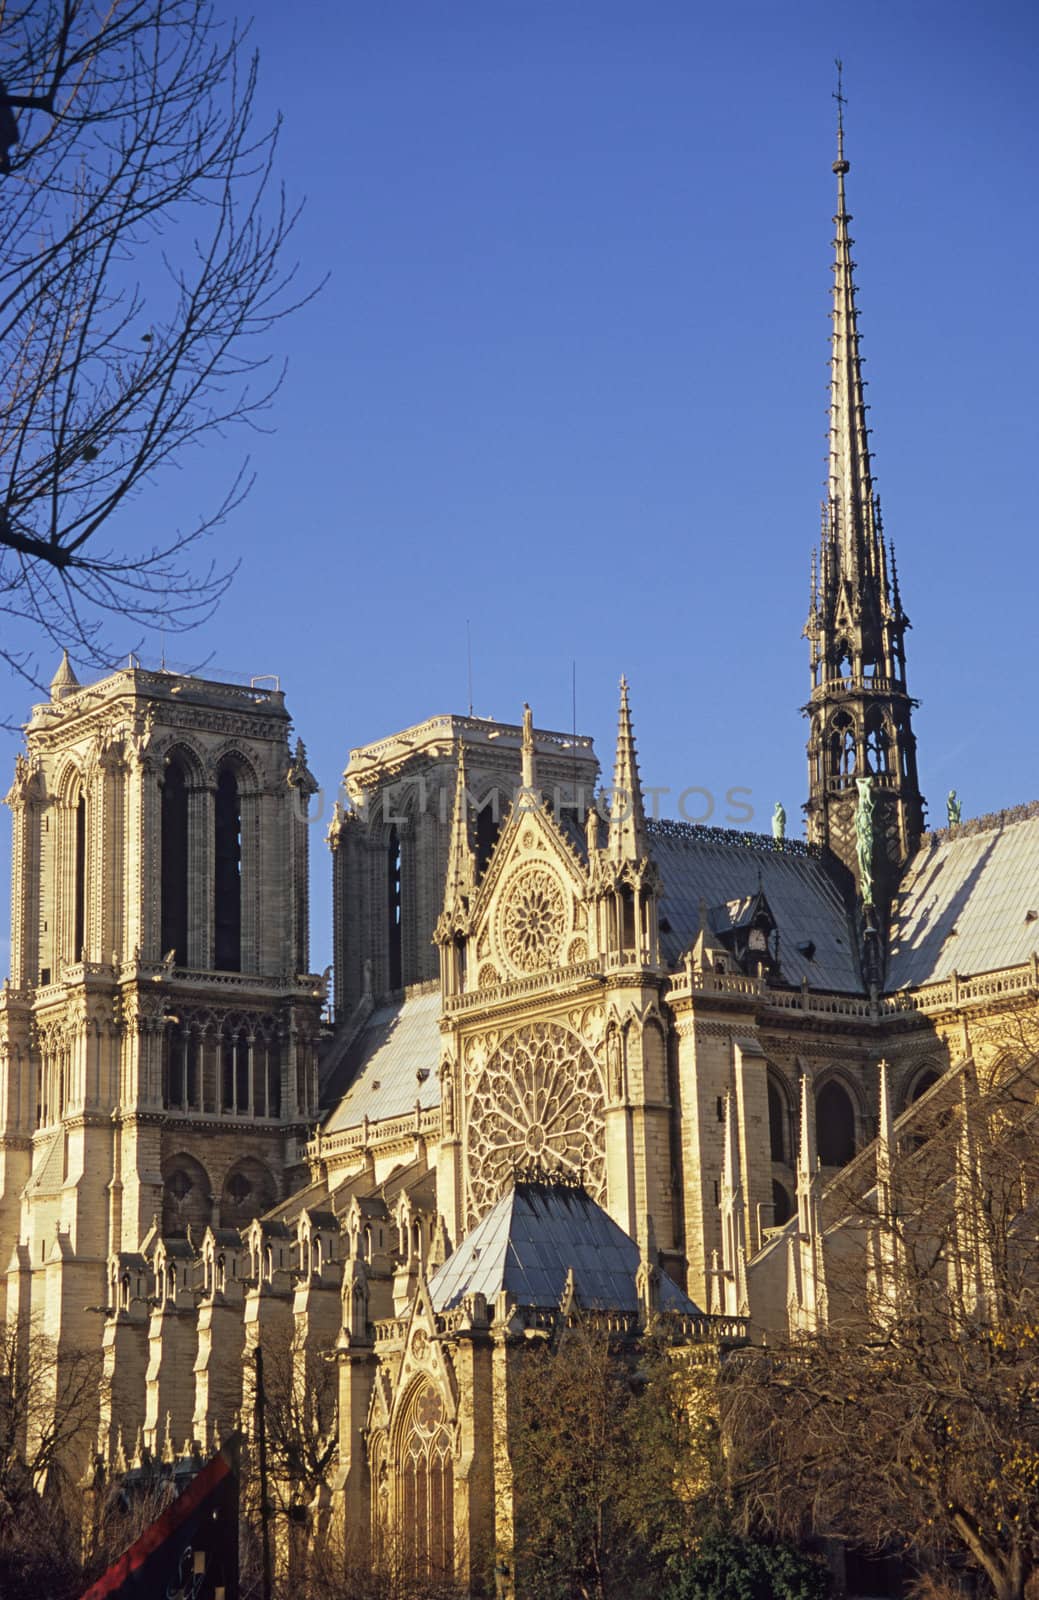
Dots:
(461, 858)
(860, 709)
(851, 497)
(627, 816)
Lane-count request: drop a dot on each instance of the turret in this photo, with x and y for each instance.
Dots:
(452, 927)
(624, 878)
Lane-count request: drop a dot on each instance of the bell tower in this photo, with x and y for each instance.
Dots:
(158, 1033)
(864, 800)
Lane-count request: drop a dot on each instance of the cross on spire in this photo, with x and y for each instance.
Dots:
(842, 101)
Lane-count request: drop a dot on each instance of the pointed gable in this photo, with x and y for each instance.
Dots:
(528, 914)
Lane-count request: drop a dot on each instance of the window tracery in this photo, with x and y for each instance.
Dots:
(532, 920)
(426, 1491)
(537, 1101)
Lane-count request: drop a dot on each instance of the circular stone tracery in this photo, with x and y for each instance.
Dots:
(533, 920)
(538, 1100)
(429, 1409)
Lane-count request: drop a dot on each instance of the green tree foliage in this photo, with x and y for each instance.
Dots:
(727, 1567)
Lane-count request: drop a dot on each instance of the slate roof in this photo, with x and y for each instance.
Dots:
(531, 1237)
(711, 864)
(399, 1041)
(965, 901)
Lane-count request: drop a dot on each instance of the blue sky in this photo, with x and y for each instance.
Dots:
(568, 377)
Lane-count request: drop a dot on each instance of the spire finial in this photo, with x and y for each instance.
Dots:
(627, 817)
(851, 501)
(840, 166)
(527, 747)
(461, 863)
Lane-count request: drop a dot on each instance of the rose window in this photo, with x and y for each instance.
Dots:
(533, 920)
(538, 1102)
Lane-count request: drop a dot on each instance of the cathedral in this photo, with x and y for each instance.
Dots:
(574, 1058)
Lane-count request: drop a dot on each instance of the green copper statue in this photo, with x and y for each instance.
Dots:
(954, 808)
(779, 821)
(864, 838)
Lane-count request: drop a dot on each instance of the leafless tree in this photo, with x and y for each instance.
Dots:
(911, 1421)
(301, 1388)
(48, 1412)
(142, 264)
(48, 1406)
(613, 1446)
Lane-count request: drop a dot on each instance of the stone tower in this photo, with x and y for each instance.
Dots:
(390, 849)
(158, 1031)
(860, 711)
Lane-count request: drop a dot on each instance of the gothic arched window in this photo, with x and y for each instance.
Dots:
(488, 824)
(227, 882)
(777, 1123)
(80, 901)
(926, 1080)
(186, 1195)
(782, 1205)
(627, 930)
(249, 1190)
(174, 868)
(426, 1503)
(835, 1124)
(878, 743)
(842, 746)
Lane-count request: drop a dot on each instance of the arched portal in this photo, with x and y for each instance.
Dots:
(834, 1124)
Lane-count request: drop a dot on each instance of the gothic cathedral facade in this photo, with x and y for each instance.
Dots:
(575, 1057)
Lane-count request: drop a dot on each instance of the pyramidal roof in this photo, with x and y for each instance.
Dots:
(64, 681)
(532, 1237)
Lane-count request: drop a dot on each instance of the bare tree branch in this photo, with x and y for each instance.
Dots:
(911, 1422)
(142, 270)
